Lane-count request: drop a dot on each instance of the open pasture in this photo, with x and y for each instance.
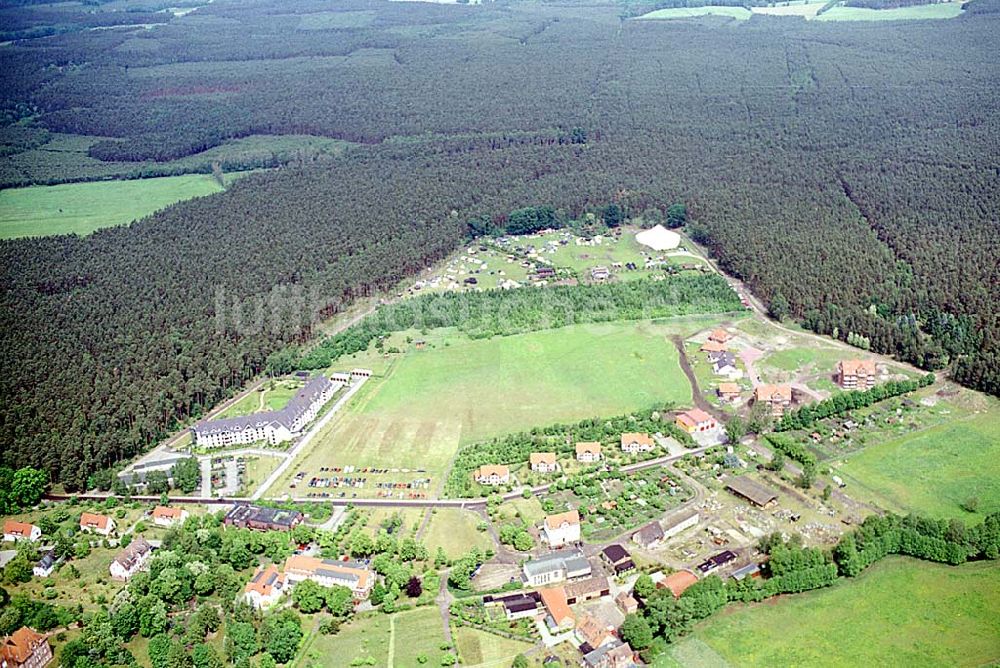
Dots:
(942, 10)
(409, 638)
(806, 10)
(739, 13)
(900, 612)
(454, 530)
(82, 208)
(935, 470)
(456, 390)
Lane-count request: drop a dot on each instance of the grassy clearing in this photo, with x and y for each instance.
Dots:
(456, 390)
(504, 384)
(807, 359)
(258, 468)
(944, 10)
(935, 470)
(806, 10)
(900, 612)
(82, 208)
(417, 634)
(479, 648)
(271, 397)
(739, 13)
(454, 530)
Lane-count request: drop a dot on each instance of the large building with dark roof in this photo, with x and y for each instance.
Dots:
(246, 516)
(270, 426)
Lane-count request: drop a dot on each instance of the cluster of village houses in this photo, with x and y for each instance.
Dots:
(556, 584)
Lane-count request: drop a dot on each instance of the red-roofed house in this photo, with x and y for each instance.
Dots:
(588, 453)
(593, 632)
(778, 397)
(265, 587)
(857, 374)
(633, 443)
(562, 528)
(14, 531)
(492, 474)
(543, 462)
(166, 516)
(713, 347)
(554, 600)
(95, 523)
(719, 336)
(25, 648)
(696, 420)
(678, 582)
(729, 391)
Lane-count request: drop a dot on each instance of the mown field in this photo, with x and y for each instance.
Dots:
(935, 470)
(81, 208)
(901, 612)
(740, 13)
(268, 398)
(454, 530)
(457, 390)
(944, 10)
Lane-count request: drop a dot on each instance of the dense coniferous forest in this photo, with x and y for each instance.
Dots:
(848, 170)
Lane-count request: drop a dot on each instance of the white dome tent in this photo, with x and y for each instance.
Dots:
(659, 238)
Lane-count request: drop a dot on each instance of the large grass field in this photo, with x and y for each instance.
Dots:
(480, 649)
(943, 10)
(385, 640)
(934, 470)
(806, 10)
(740, 13)
(458, 390)
(454, 530)
(81, 208)
(270, 397)
(901, 612)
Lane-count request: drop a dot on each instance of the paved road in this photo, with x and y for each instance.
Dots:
(307, 438)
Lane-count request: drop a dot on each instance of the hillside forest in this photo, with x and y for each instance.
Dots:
(846, 172)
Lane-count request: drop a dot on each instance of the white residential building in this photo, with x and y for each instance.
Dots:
(562, 529)
(265, 587)
(132, 559)
(14, 531)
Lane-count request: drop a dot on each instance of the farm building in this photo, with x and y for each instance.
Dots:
(265, 587)
(587, 590)
(748, 571)
(617, 654)
(562, 528)
(729, 391)
(618, 558)
(556, 567)
(492, 475)
(659, 238)
(695, 420)
(517, 606)
(626, 603)
(633, 442)
(648, 536)
(752, 491)
(678, 582)
(246, 516)
(779, 397)
(721, 559)
(559, 616)
(680, 521)
(592, 633)
(543, 462)
(588, 453)
(600, 273)
(857, 374)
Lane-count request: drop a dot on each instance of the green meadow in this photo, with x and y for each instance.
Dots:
(456, 390)
(740, 13)
(900, 612)
(935, 470)
(82, 208)
(943, 10)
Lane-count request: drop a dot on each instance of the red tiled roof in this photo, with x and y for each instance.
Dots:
(20, 645)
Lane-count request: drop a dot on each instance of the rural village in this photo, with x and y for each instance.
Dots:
(543, 549)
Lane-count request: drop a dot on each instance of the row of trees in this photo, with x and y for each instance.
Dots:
(842, 402)
(508, 312)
